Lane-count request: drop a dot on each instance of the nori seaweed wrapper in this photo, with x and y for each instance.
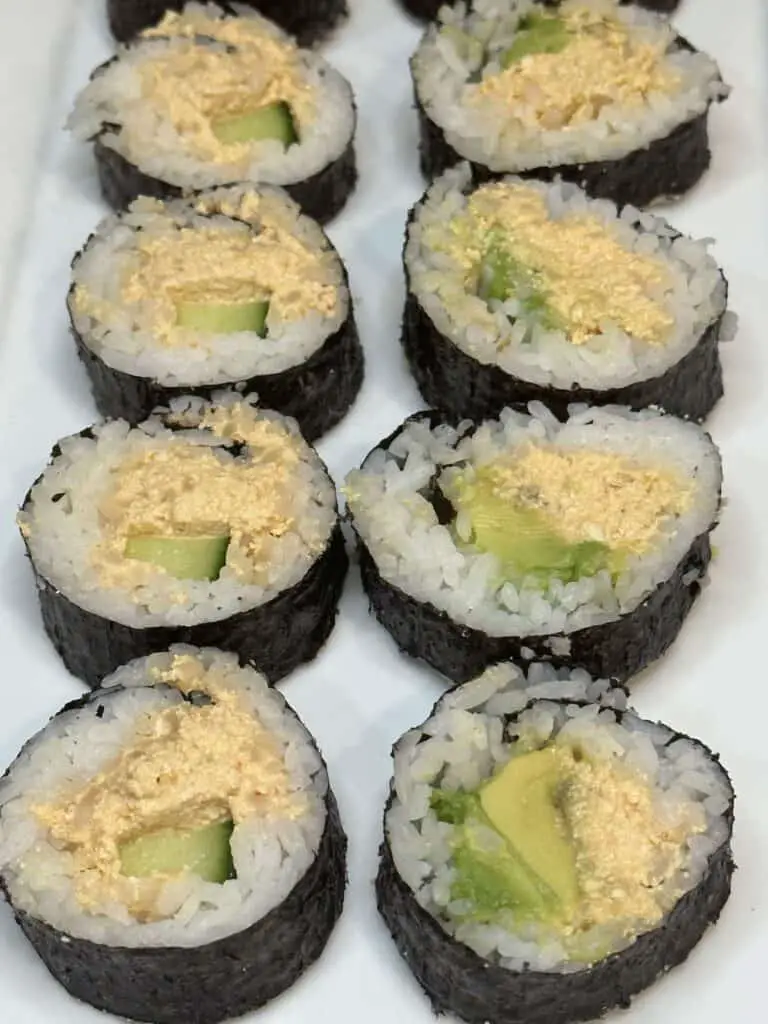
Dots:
(457, 980)
(669, 167)
(211, 982)
(426, 10)
(454, 381)
(275, 637)
(308, 21)
(617, 649)
(317, 393)
(321, 196)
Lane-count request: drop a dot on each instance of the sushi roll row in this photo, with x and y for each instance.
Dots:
(206, 98)
(172, 849)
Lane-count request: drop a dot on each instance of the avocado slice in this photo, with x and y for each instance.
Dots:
(274, 121)
(203, 851)
(536, 33)
(186, 558)
(523, 541)
(492, 880)
(520, 802)
(223, 318)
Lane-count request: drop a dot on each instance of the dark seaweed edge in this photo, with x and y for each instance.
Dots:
(617, 649)
(666, 168)
(457, 980)
(426, 10)
(318, 393)
(309, 21)
(221, 979)
(275, 637)
(451, 379)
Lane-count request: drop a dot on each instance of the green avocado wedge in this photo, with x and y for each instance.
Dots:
(204, 852)
(523, 541)
(223, 318)
(186, 558)
(274, 121)
(520, 801)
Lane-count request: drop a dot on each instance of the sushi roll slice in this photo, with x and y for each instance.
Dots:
(520, 290)
(584, 543)
(170, 844)
(207, 99)
(310, 21)
(546, 857)
(426, 10)
(237, 288)
(215, 525)
(604, 95)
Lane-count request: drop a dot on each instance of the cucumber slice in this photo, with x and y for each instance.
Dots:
(223, 318)
(203, 851)
(275, 121)
(186, 558)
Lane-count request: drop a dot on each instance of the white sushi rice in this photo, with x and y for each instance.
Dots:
(695, 295)
(466, 740)
(414, 552)
(61, 532)
(441, 75)
(157, 148)
(123, 336)
(270, 855)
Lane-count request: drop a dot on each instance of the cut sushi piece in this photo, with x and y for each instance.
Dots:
(426, 10)
(620, 109)
(199, 899)
(206, 99)
(308, 20)
(584, 543)
(237, 288)
(625, 851)
(207, 524)
(520, 290)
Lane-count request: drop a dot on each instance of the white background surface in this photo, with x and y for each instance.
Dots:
(359, 695)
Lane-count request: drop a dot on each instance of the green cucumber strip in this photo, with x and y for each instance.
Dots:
(203, 851)
(186, 558)
(224, 318)
(275, 121)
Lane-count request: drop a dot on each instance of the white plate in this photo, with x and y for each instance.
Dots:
(360, 694)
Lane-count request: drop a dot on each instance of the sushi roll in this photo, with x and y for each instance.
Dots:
(603, 95)
(426, 10)
(548, 855)
(237, 287)
(170, 844)
(310, 21)
(207, 99)
(211, 525)
(584, 543)
(520, 290)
